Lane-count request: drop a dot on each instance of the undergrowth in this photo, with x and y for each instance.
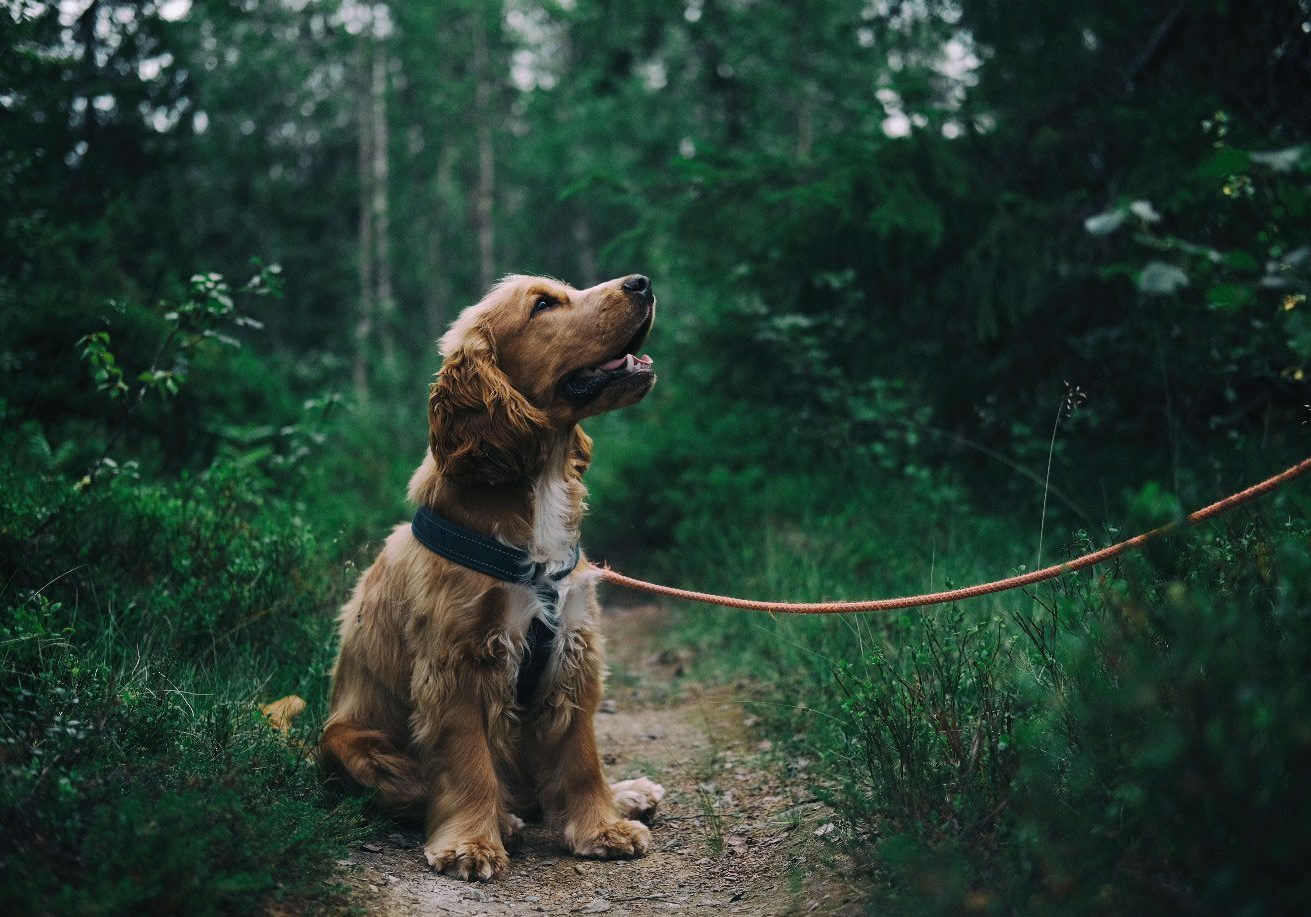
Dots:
(165, 568)
(1119, 741)
(136, 773)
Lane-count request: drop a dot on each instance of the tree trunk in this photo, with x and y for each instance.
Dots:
(385, 297)
(438, 284)
(586, 257)
(483, 97)
(364, 122)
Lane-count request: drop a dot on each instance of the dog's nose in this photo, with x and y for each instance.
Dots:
(638, 283)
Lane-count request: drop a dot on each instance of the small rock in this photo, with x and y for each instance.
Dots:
(609, 706)
(826, 829)
(532, 899)
(595, 906)
(372, 848)
(473, 894)
(578, 868)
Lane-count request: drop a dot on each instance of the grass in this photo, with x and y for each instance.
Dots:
(1116, 741)
(141, 628)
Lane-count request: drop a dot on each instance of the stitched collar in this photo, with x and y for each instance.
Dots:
(486, 555)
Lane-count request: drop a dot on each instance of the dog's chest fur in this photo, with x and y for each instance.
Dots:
(556, 508)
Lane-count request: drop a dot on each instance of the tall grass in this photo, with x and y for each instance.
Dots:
(142, 624)
(1120, 740)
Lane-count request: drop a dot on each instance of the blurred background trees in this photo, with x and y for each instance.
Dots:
(837, 199)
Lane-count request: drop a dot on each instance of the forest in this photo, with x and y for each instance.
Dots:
(949, 289)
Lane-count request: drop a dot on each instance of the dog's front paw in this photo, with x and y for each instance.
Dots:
(637, 798)
(613, 840)
(473, 860)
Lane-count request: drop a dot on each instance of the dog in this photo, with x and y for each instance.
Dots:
(465, 698)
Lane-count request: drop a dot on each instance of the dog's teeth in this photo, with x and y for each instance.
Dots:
(628, 361)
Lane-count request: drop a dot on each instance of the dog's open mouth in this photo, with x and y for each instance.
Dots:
(584, 384)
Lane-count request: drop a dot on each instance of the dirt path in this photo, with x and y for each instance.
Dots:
(729, 837)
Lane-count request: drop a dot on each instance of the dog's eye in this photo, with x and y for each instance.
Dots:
(543, 303)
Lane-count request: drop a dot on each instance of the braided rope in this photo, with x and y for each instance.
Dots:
(968, 592)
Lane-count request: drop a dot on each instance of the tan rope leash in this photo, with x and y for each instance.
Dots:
(968, 592)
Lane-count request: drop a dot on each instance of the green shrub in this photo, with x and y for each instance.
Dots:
(1113, 742)
(1164, 760)
(152, 600)
(147, 786)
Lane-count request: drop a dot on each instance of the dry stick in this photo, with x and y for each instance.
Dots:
(969, 592)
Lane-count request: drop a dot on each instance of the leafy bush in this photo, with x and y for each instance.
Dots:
(1164, 757)
(146, 615)
(136, 774)
(1116, 741)
(146, 786)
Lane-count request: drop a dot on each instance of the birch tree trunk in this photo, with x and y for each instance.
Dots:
(438, 285)
(364, 120)
(586, 256)
(385, 297)
(483, 97)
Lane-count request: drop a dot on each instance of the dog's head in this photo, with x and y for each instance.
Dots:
(535, 355)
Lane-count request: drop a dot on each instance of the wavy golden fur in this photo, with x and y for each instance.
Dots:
(423, 709)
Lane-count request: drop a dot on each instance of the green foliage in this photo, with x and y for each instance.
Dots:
(104, 368)
(1166, 747)
(143, 785)
(137, 774)
(145, 619)
(1124, 742)
(884, 235)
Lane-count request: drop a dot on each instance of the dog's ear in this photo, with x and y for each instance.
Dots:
(580, 453)
(479, 425)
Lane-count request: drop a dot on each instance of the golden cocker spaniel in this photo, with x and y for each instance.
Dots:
(471, 663)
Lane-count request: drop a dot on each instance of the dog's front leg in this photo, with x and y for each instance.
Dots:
(463, 827)
(574, 793)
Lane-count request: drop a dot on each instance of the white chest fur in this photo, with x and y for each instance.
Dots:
(554, 534)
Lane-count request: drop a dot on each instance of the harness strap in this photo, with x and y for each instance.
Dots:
(512, 565)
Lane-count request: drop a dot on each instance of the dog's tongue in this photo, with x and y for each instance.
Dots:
(627, 360)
